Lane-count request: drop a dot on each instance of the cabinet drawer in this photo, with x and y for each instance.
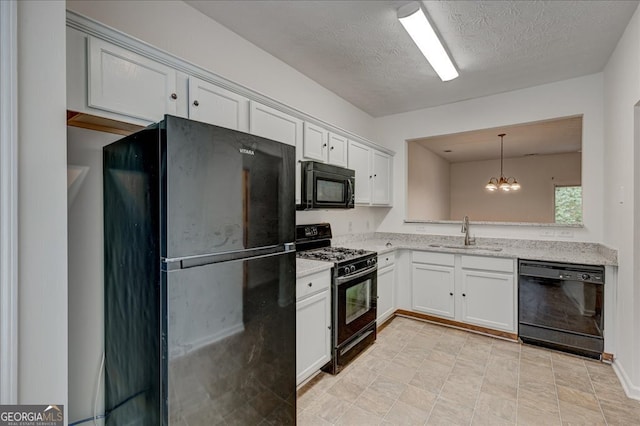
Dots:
(445, 259)
(488, 263)
(386, 260)
(312, 284)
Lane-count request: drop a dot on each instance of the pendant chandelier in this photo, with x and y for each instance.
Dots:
(503, 183)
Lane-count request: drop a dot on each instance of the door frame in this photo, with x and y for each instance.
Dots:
(8, 202)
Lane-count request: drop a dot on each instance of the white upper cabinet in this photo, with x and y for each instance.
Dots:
(273, 124)
(359, 161)
(321, 145)
(314, 145)
(373, 174)
(381, 186)
(214, 105)
(126, 83)
(338, 147)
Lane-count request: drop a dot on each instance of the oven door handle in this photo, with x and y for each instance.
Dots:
(362, 273)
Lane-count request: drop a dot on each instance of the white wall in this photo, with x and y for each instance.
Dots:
(181, 30)
(42, 233)
(622, 201)
(538, 176)
(561, 99)
(428, 184)
(86, 272)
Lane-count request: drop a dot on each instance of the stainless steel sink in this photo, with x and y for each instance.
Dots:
(463, 247)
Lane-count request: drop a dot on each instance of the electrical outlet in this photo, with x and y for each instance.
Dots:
(367, 225)
(420, 228)
(350, 226)
(548, 233)
(565, 234)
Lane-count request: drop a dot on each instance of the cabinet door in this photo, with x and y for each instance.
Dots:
(214, 105)
(338, 146)
(386, 293)
(126, 83)
(488, 299)
(381, 189)
(273, 124)
(433, 289)
(359, 161)
(313, 334)
(314, 146)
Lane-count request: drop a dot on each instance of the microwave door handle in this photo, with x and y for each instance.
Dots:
(350, 193)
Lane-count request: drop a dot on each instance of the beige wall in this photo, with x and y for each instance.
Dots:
(428, 184)
(533, 203)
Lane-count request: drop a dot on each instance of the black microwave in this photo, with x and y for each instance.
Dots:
(325, 186)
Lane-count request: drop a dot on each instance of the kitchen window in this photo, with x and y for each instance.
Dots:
(568, 204)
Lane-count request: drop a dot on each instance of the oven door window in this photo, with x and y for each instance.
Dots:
(355, 302)
(330, 191)
(358, 301)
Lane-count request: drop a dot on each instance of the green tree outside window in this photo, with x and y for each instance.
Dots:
(568, 204)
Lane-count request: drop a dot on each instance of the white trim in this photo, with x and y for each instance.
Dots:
(8, 202)
(632, 391)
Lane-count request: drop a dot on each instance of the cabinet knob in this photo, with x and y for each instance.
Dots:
(370, 177)
(324, 145)
(310, 284)
(464, 295)
(331, 148)
(196, 103)
(174, 96)
(375, 175)
(450, 294)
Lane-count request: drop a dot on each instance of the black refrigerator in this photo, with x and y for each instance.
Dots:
(199, 227)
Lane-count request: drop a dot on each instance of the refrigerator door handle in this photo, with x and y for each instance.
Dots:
(206, 259)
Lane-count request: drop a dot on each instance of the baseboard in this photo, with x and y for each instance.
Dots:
(630, 389)
(457, 324)
(382, 325)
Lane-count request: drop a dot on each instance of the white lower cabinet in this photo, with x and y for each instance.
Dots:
(313, 324)
(386, 287)
(478, 290)
(487, 287)
(433, 283)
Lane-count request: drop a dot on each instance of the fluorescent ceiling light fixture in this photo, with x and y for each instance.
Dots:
(424, 36)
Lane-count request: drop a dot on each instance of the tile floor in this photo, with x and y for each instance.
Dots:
(419, 373)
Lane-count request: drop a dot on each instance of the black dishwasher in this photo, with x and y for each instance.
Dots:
(561, 306)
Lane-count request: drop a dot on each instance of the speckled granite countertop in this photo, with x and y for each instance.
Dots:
(306, 267)
(554, 251)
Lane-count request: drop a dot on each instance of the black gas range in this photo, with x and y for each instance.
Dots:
(353, 291)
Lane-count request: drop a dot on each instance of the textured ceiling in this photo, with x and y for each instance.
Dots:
(359, 50)
(556, 136)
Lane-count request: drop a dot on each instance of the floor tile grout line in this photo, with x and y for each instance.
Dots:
(553, 372)
(596, 396)
(475, 406)
(518, 384)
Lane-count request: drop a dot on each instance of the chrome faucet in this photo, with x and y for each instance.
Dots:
(465, 228)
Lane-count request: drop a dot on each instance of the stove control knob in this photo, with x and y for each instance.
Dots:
(353, 268)
(585, 277)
